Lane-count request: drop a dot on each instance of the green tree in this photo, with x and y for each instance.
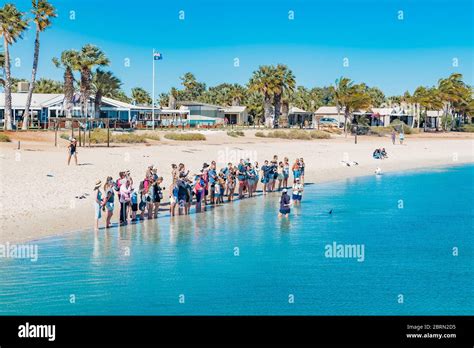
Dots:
(42, 11)
(12, 25)
(141, 97)
(105, 84)
(68, 62)
(88, 58)
(285, 81)
(264, 82)
(48, 86)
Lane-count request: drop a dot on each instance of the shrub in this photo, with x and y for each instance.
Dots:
(467, 128)
(319, 135)
(129, 138)
(185, 136)
(235, 134)
(64, 136)
(398, 125)
(380, 131)
(152, 136)
(260, 134)
(4, 138)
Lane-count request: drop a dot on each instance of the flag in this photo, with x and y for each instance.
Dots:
(157, 56)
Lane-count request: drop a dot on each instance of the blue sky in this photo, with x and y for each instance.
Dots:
(395, 55)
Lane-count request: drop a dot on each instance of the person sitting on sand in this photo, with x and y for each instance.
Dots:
(72, 150)
(285, 204)
(98, 204)
(376, 154)
(383, 153)
(297, 192)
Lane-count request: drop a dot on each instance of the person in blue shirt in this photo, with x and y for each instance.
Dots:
(212, 181)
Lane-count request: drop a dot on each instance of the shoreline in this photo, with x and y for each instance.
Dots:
(258, 194)
(50, 208)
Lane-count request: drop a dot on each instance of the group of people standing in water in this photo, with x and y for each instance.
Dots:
(209, 186)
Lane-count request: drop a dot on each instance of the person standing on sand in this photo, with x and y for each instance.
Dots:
(285, 203)
(109, 200)
(302, 167)
(402, 137)
(125, 192)
(296, 170)
(286, 172)
(394, 136)
(97, 204)
(72, 150)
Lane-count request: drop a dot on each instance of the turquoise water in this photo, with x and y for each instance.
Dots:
(407, 251)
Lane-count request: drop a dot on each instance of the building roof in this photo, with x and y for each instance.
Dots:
(19, 100)
(382, 111)
(297, 110)
(194, 103)
(328, 110)
(235, 109)
(40, 100)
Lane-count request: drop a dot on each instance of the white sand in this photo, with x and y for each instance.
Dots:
(34, 205)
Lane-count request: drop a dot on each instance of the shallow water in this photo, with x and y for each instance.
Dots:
(408, 224)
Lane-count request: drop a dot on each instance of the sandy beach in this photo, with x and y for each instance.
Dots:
(39, 192)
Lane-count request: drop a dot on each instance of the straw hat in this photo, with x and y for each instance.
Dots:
(97, 184)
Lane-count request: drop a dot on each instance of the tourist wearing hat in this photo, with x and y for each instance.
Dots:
(72, 150)
(97, 204)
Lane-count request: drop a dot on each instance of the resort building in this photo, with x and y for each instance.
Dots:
(236, 115)
(201, 114)
(300, 117)
(45, 106)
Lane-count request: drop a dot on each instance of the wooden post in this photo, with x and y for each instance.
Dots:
(89, 128)
(55, 134)
(80, 138)
(108, 133)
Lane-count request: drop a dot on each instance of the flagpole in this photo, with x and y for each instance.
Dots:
(153, 91)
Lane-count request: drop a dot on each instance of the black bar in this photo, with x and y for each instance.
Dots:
(142, 330)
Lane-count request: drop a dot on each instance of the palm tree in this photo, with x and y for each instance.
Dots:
(2, 63)
(263, 81)
(105, 84)
(451, 91)
(68, 62)
(350, 97)
(12, 26)
(89, 57)
(48, 86)
(237, 93)
(43, 11)
(140, 96)
(285, 86)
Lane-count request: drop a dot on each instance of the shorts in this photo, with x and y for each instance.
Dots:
(296, 174)
(296, 197)
(98, 211)
(284, 211)
(280, 177)
(172, 199)
(134, 206)
(264, 180)
(109, 206)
